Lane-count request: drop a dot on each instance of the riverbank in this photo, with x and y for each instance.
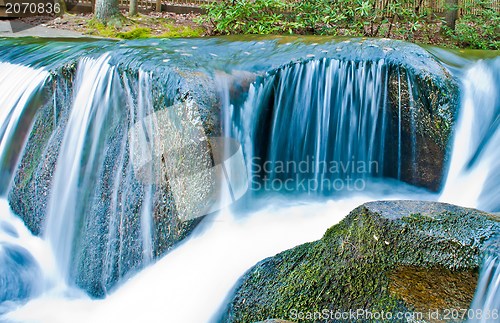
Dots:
(17, 28)
(150, 25)
(472, 32)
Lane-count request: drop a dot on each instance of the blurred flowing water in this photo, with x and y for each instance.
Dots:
(314, 101)
(487, 299)
(474, 171)
(475, 157)
(21, 88)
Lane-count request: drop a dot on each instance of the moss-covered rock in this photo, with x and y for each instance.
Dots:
(424, 105)
(108, 242)
(420, 104)
(179, 74)
(393, 256)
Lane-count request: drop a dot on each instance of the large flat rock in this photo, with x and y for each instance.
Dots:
(390, 256)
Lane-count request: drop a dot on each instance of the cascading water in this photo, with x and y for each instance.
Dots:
(21, 88)
(26, 261)
(475, 164)
(486, 303)
(24, 258)
(94, 80)
(97, 123)
(325, 138)
(475, 157)
(337, 129)
(102, 218)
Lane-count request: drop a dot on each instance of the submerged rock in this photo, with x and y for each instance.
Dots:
(389, 256)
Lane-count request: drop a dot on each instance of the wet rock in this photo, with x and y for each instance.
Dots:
(108, 244)
(30, 191)
(390, 256)
(425, 104)
(422, 101)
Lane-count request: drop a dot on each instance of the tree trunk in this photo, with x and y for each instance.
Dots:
(451, 13)
(132, 10)
(64, 8)
(106, 9)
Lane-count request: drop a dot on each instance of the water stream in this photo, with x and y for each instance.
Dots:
(320, 107)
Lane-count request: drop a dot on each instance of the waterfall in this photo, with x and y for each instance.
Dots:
(322, 126)
(24, 258)
(486, 303)
(475, 165)
(93, 189)
(21, 88)
(475, 157)
(91, 103)
(340, 126)
(144, 108)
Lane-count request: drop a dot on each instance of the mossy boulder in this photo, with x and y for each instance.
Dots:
(108, 242)
(388, 256)
(419, 97)
(424, 105)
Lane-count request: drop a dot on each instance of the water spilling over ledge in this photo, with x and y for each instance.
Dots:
(82, 184)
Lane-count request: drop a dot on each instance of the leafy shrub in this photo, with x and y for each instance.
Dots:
(480, 30)
(334, 17)
(402, 19)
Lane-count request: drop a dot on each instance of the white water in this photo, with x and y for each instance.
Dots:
(144, 108)
(475, 158)
(93, 80)
(486, 303)
(190, 283)
(19, 85)
(473, 177)
(14, 232)
(15, 97)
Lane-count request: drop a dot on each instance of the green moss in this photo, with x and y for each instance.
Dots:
(138, 31)
(113, 30)
(135, 33)
(96, 28)
(367, 261)
(341, 269)
(181, 31)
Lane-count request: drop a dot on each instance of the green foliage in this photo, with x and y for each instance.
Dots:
(403, 19)
(480, 30)
(249, 17)
(333, 17)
